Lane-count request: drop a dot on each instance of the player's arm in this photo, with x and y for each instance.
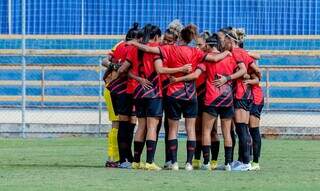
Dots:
(252, 80)
(160, 69)
(217, 57)
(124, 67)
(256, 69)
(224, 79)
(146, 84)
(145, 48)
(254, 55)
(192, 76)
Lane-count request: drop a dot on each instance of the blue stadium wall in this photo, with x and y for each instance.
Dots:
(105, 17)
(267, 17)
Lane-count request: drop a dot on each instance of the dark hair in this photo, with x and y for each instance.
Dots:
(149, 32)
(205, 35)
(241, 44)
(213, 41)
(132, 32)
(188, 33)
(226, 29)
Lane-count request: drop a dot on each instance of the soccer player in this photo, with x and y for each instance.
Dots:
(218, 99)
(122, 102)
(181, 96)
(170, 37)
(200, 89)
(242, 103)
(253, 80)
(112, 151)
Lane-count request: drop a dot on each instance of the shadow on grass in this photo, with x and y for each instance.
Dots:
(55, 165)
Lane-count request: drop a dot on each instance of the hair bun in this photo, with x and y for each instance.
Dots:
(135, 26)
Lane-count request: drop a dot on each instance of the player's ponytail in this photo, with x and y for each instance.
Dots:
(241, 36)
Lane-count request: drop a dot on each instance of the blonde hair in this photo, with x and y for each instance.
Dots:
(175, 27)
(241, 33)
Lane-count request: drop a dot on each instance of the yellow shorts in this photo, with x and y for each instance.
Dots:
(107, 97)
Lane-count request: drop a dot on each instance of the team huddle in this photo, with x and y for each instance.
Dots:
(156, 78)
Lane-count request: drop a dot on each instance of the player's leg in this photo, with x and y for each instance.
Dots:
(215, 146)
(154, 113)
(242, 125)
(208, 120)
(112, 151)
(140, 136)
(190, 112)
(139, 142)
(173, 111)
(126, 128)
(226, 115)
(254, 124)
(196, 163)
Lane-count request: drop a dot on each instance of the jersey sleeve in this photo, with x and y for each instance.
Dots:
(237, 57)
(202, 67)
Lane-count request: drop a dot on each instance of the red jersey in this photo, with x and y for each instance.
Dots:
(119, 85)
(218, 96)
(147, 70)
(132, 58)
(242, 91)
(201, 85)
(177, 56)
(257, 94)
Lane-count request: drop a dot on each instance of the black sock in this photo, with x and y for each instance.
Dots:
(122, 144)
(197, 152)
(130, 132)
(166, 142)
(233, 137)
(215, 146)
(191, 147)
(227, 155)
(173, 148)
(138, 148)
(256, 143)
(206, 153)
(151, 149)
(244, 140)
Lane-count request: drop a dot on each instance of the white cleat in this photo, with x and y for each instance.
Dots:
(175, 166)
(235, 163)
(188, 167)
(227, 167)
(242, 167)
(167, 165)
(206, 167)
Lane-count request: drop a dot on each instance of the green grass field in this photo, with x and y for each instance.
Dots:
(77, 164)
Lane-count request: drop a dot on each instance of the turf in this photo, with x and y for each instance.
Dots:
(77, 164)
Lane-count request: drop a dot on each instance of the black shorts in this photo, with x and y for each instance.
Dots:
(224, 112)
(256, 110)
(242, 104)
(176, 107)
(123, 104)
(149, 107)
